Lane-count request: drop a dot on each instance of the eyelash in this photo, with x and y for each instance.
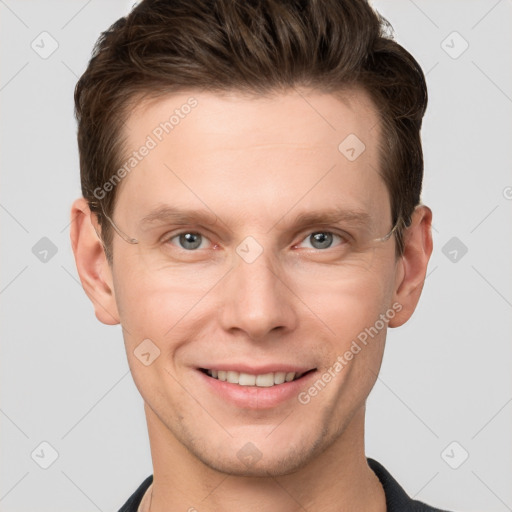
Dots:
(345, 238)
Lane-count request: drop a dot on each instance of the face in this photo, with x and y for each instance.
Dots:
(264, 269)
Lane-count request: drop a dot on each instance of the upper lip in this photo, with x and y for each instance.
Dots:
(252, 369)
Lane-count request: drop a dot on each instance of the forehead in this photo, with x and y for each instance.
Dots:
(246, 152)
(309, 116)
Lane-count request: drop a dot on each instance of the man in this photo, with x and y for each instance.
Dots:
(251, 216)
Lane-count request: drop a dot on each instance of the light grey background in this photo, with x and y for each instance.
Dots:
(446, 374)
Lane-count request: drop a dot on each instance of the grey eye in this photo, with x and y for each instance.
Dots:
(190, 240)
(321, 240)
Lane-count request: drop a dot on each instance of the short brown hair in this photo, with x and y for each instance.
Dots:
(255, 46)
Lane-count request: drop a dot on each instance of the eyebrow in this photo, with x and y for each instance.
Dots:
(175, 216)
(332, 216)
(169, 214)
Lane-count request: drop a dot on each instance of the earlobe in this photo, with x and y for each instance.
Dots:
(91, 262)
(412, 265)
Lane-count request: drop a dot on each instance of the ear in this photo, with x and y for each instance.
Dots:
(412, 265)
(91, 262)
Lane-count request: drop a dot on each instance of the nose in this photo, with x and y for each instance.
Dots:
(257, 300)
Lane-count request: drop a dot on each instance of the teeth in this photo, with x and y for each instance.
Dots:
(264, 380)
(289, 376)
(280, 377)
(246, 379)
(233, 377)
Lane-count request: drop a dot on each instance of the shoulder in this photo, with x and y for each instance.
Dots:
(397, 499)
(134, 500)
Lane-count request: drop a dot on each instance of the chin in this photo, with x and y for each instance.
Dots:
(261, 458)
(275, 467)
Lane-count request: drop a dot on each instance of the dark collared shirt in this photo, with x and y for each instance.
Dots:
(396, 498)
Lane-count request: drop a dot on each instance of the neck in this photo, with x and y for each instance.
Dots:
(337, 480)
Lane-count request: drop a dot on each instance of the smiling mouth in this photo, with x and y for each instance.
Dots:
(265, 380)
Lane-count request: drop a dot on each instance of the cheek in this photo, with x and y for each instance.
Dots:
(156, 320)
(142, 292)
(352, 311)
(168, 311)
(152, 311)
(349, 303)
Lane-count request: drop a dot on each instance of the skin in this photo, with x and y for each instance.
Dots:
(255, 163)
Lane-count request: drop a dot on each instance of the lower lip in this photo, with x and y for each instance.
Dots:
(254, 397)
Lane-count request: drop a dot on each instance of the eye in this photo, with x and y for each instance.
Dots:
(322, 239)
(188, 240)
